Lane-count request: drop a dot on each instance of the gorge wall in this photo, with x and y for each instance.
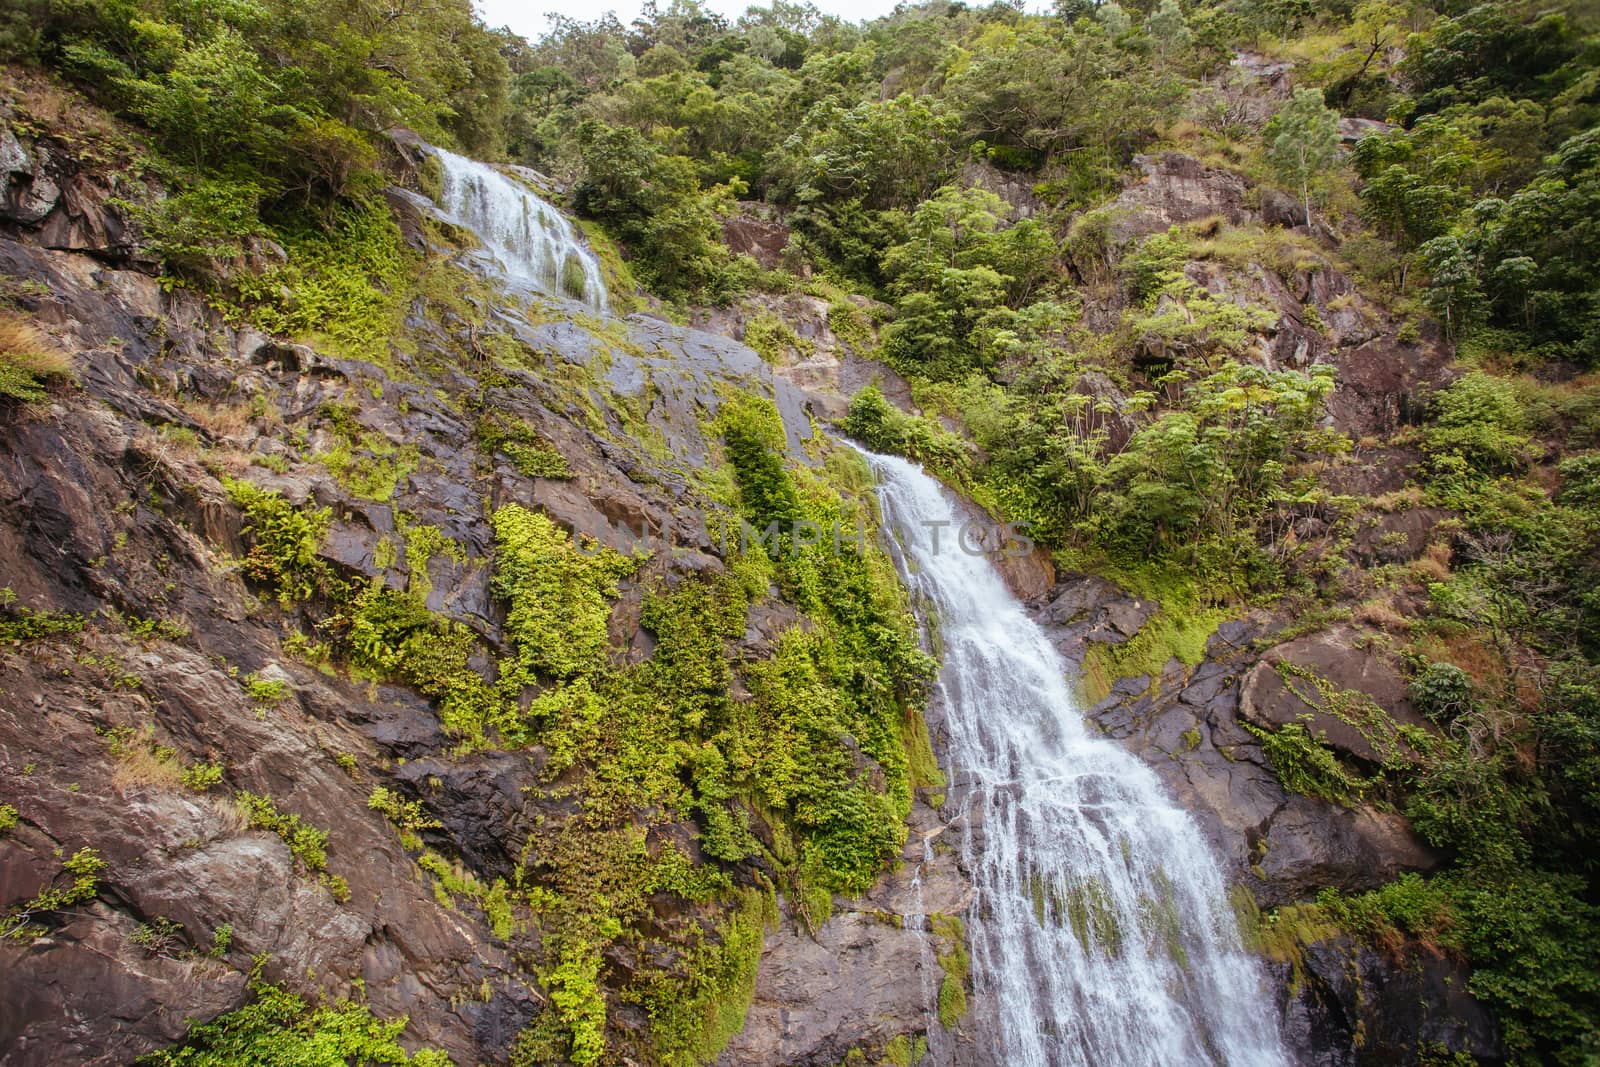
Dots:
(115, 511)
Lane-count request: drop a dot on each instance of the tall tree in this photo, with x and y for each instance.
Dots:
(1303, 143)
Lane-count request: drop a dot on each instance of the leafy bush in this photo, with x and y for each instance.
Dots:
(308, 844)
(1441, 691)
(881, 426)
(557, 591)
(279, 1029)
(287, 542)
(1480, 421)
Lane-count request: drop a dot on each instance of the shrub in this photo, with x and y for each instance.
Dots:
(1480, 420)
(279, 1029)
(557, 591)
(406, 814)
(1442, 692)
(308, 844)
(287, 541)
(29, 361)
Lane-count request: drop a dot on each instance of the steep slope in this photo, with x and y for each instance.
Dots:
(257, 604)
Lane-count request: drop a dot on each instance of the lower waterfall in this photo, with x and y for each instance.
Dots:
(1101, 930)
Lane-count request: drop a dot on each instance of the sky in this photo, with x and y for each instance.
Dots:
(527, 17)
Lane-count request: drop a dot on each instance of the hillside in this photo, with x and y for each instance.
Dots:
(393, 666)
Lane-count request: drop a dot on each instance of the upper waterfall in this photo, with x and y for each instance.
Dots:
(1102, 933)
(533, 242)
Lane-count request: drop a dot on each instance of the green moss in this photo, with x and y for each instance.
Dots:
(342, 289)
(406, 815)
(905, 1051)
(694, 1015)
(950, 949)
(557, 592)
(621, 288)
(520, 443)
(851, 325)
(265, 690)
(8, 818)
(577, 1001)
(423, 543)
(1168, 634)
(365, 461)
(278, 1029)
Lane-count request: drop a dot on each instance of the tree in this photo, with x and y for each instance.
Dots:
(1167, 28)
(1303, 143)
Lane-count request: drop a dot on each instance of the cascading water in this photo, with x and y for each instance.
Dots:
(1101, 932)
(532, 240)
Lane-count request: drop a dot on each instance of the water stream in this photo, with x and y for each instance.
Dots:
(533, 242)
(1101, 932)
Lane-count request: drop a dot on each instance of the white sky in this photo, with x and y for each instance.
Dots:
(527, 17)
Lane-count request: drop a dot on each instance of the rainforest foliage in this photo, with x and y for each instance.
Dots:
(954, 168)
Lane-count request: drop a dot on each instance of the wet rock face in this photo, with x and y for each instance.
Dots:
(869, 974)
(1349, 1005)
(1343, 1004)
(1298, 680)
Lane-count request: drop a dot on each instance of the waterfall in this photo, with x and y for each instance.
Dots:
(1101, 932)
(533, 242)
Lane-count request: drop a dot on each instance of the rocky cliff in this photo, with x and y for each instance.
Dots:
(150, 680)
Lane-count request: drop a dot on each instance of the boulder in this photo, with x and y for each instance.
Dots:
(1343, 694)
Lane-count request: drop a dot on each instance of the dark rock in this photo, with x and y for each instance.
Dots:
(1350, 1005)
(761, 239)
(1280, 209)
(1330, 664)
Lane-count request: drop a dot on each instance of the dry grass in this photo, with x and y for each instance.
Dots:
(30, 361)
(1285, 252)
(1403, 499)
(1433, 565)
(1381, 615)
(228, 815)
(140, 762)
(221, 420)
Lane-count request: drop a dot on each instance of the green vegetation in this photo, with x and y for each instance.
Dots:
(29, 361)
(82, 870)
(365, 461)
(520, 443)
(287, 540)
(954, 960)
(279, 1029)
(308, 844)
(1142, 401)
(557, 591)
(20, 624)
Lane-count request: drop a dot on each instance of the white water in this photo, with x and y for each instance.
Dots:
(1101, 932)
(533, 242)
